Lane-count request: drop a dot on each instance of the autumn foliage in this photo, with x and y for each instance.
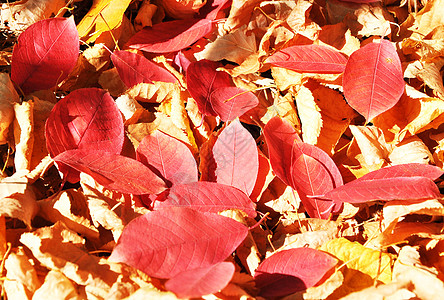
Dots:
(222, 149)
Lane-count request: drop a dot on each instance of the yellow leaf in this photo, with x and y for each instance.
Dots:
(103, 16)
(365, 261)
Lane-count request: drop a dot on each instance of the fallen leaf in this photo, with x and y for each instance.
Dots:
(17, 199)
(169, 158)
(236, 157)
(232, 102)
(202, 80)
(193, 246)
(57, 285)
(309, 59)
(202, 281)
(85, 119)
(23, 135)
(8, 96)
(373, 80)
(365, 261)
(113, 171)
(103, 16)
(289, 271)
(235, 46)
(70, 207)
(22, 14)
(23, 280)
(170, 36)
(45, 54)
(207, 197)
(134, 68)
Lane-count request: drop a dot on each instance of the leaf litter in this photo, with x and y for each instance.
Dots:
(221, 149)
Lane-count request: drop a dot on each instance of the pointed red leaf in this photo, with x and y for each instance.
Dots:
(323, 158)
(134, 68)
(279, 136)
(373, 79)
(310, 59)
(405, 170)
(397, 188)
(170, 36)
(85, 119)
(113, 171)
(232, 102)
(293, 270)
(310, 177)
(168, 157)
(167, 242)
(203, 281)
(304, 167)
(207, 196)
(202, 80)
(45, 54)
(236, 156)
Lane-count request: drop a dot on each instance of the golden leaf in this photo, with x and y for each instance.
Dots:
(103, 16)
(365, 261)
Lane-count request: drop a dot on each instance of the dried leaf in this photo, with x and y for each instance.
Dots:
(8, 96)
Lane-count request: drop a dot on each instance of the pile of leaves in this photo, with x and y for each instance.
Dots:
(221, 149)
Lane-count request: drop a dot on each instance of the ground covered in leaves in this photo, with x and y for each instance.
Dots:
(222, 149)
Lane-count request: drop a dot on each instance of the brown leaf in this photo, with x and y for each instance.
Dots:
(8, 96)
(61, 249)
(23, 135)
(234, 46)
(17, 199)
(21, 14)
(57, 286)
(69, 207)
(22, 277)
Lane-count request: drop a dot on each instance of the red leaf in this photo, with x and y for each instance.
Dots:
(304, 167)
(293, 270)
(373, 80)
(207, 196)
(310, 177)
(309, 58)
(203, 281)
(236, 156)
(169, 158)
(398, 188)
(170, 36)
(167, 242)
(322, 158)
(134, 68)
(404, 170)
(232, 102)
(113, 171)
(202, 80)
(45, 54)
(85, 119)
(279, 136)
